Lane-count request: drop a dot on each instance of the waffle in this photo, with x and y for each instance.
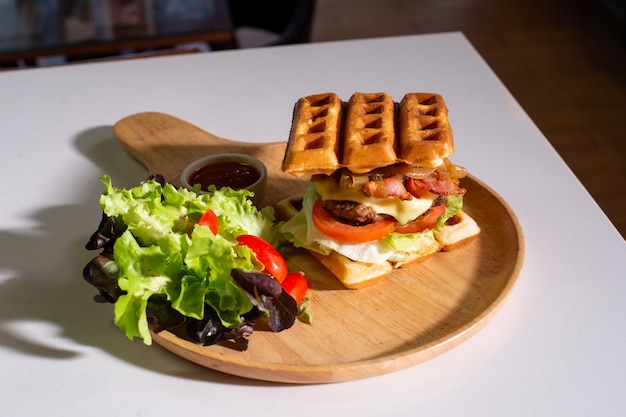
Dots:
(375, 133)
(369, 137)
(424, 134)
(313, 145)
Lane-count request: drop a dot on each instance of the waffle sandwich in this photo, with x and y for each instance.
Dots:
(384, 194)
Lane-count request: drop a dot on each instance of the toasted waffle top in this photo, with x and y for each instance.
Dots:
(367, 132)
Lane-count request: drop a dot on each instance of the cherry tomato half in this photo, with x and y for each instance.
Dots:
(424, 222)
(296, 285)
(266, 254)
(209, 219)
(347, 233)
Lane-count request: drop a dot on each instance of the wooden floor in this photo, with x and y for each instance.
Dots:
(563, 60)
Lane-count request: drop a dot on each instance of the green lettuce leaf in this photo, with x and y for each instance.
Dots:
(238, 215)
(296, 229)
(454, 204)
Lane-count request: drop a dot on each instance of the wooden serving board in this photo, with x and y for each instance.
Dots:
(414, 315)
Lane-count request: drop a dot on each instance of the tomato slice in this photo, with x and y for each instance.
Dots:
(296, 285)
(424, 222)
(266, 254)
(347, 233)
(209, 219)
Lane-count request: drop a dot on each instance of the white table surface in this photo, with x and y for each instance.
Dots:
(557, 347)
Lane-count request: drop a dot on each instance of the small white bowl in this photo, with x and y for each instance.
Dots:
(246, 161)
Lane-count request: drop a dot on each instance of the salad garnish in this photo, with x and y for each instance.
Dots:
(171, 260)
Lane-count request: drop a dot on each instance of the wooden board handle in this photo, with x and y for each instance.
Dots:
(166, 145)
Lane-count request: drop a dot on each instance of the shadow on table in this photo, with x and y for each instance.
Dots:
(46, 308)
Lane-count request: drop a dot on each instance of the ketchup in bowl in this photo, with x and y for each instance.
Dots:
(236, 171)
(236, 175)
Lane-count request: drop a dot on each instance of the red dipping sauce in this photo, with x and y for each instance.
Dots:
(236, 175)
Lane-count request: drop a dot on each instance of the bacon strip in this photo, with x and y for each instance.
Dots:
(439, 187)
(387, 187)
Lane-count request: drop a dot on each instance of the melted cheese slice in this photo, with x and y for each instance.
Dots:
(403, 211)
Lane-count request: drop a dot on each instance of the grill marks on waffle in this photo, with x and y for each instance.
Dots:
(375, 132)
